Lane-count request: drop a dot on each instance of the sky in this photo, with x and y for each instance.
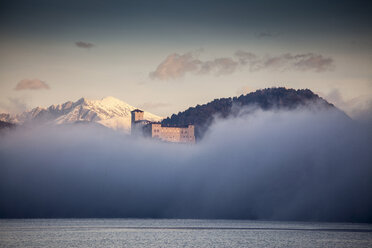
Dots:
(165, 56)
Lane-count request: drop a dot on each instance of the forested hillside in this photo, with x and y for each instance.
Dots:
(281, 98)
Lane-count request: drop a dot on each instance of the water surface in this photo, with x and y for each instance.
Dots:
(180, 233)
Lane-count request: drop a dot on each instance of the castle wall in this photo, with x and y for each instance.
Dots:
(156, 131)
(173, 134)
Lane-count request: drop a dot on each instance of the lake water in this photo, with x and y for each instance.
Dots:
(180, 233)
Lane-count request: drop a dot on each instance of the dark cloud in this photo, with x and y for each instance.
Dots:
(281, 165)
(31, 84)
(178, 65)
(82, 44)
(348, 17)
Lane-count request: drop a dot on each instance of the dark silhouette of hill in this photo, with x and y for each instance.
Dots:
(272, 98)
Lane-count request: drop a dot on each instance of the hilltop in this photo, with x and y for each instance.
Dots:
(202, 116)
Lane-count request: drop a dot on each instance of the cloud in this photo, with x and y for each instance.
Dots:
(178, 65)
(271, 165)
(13, 105)
(246, 57)
(82, 44)
(175, 66)
(287, 61)
(31, 84)
(359, 108)
(219, 66)
(310, 61)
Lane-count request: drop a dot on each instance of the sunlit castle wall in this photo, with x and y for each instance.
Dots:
(140, 126)
(173, 134)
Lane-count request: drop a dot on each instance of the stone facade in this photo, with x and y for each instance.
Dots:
(155, 130)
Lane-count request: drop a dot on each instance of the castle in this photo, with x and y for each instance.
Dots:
(155, 130)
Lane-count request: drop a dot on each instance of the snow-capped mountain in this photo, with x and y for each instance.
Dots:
(109, 111)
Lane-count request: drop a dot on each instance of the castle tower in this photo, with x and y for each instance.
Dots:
(137, 115)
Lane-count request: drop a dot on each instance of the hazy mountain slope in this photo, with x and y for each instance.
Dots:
(4, 124)
(109, 112)
(273, 98)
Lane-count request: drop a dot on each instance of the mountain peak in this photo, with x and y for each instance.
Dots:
(109, 111)
(82, 100)
(110, 100)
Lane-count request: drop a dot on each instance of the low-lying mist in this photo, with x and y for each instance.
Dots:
(272, 165)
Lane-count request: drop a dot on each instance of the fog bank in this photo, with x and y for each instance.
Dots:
(277, 165)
